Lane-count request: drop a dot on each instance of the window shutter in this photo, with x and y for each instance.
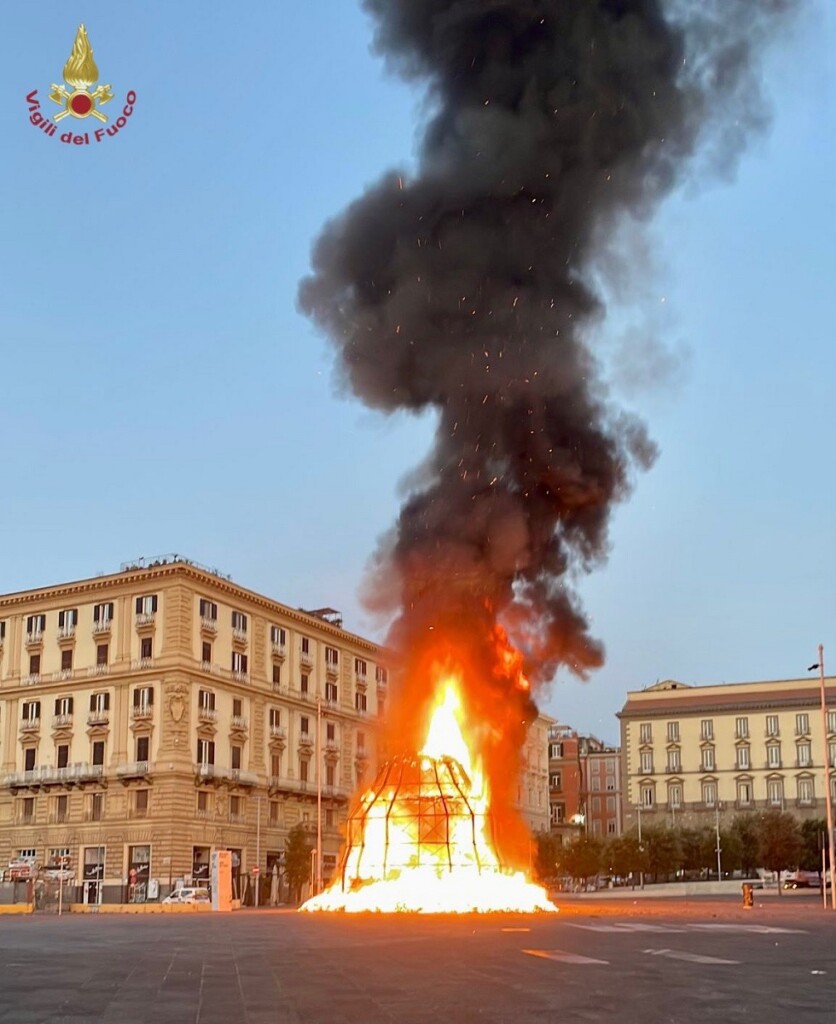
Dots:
(70, 705)
(110, 609)
(150, 695)
(92, 702)
(37, 709)
(154, 603)
(57, 707)
(74, 616)
(211, 752)
(136, 698)
(107, 701)
(60, 620)
(139, 606)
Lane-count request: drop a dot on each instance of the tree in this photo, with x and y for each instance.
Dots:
(582, 858)
(624, 856)
(697, 848)
(813, 833)
(780, 841)
(297, 859)
(662, 848)
(747, 833)
(548, 855)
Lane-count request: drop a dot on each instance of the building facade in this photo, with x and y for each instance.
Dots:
(584, 785)
(154, 715)
(695, 753)
(533, 786)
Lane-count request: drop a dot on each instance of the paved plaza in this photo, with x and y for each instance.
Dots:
(646, 961)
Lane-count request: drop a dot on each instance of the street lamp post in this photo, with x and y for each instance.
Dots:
(318, 794)
(717, 834)
(641, 869)
(828, 803)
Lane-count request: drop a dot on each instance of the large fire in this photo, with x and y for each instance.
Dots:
(420, 839)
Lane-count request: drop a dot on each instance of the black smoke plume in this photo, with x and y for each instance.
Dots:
(469, 288)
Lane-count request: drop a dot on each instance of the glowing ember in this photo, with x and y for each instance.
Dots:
(420, 838)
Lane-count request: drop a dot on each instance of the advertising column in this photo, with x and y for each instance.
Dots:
(221, 880)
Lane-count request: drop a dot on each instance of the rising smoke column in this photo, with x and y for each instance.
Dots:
(468, 288)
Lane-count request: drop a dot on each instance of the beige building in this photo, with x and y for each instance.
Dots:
(154, 715)
(533, 785)
(698, 751)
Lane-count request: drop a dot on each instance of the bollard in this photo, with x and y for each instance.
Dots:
(748, 895)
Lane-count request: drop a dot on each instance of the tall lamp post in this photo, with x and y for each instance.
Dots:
(717, 835)
(828, 803)
(318, 881)
(641, 850)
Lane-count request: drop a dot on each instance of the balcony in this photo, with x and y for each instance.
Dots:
(98, 718)
(239, 676)
(66, 633)
(203, 814)
(47, 775)
(305, 659)
(305, 741)
(93, 814)
(360, 679)
(141, 664)
(25, 818)
(134, 769)
(62, 721)
(382, 681)
(209, 715)
(239, 636)
(30, 724)
(102, 627)
(145, 620)
(803, 729)
(208, 625)
(332, 669)
(98, 670)
(142, 712)
(278, 732)
(237, 819)
(239, 724)
(59, 817)
(279, 651)
(138, 812)
(239, 777)
(35, 638)
(31, 680)
(332, 748)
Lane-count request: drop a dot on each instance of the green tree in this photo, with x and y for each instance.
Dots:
(747, 834)
(780, 841)
(548, 856)
(697, 848)
(624, 856)
(662, 849)
(297, 859)
(582, 858)
(813, 833)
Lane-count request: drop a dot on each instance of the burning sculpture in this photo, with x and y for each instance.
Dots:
(472, 288)
(420, 838)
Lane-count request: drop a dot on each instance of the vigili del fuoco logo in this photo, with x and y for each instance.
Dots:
(78, 101)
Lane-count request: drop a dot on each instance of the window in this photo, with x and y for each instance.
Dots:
(206, 653)
(329, 818)
(146, 648)
(331, 692)
(278, 637)
(142, 745)
(831, 753)
(35, 625)
(98, 752)
(277, 674)
(596, 784)
(67, 659)
(558, 813)
(203, 803)
(2, 630)
(645, 733)
(274, 817)
(275, 718)
(741, 728)
(305, 645)
(303, 725)
(29, 759)
(141, 803)
(208, 609)
(237, 707)
(101, 654)
(62, 755)
(330, 732)
(303, 771)
(382, 677)
(63, 705)
(332, 657)
(31, 711)
(708, 759)
(303, 683)
(675, 795)
(68, 620)
(647, 762)
(60, 813)
(26, 809)
(103, 613)
(276, 766)
(831, 721)
(235, 757)
(611, 828)
(360, 667)
(205, 752)
(772, 725)
(556, 780)
(34, 664)
(206, 700)
(743, 758)
(707, 729)
(802, 724)
(744, 793)
(773, 755)
(610, 804)
(556, 750)
(329, 775)
(709, 793)
(360, 703)
(239, 663)
(100, 701)
(806, 792)
(95, 810)
(804, 755)
(647, 796)
(239, 621)
(674, 764)
(775, 792)
(143, 699)
(673, 732)
(146, 605)
(595, 803)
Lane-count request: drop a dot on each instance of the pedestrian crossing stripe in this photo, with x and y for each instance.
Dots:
(629, 927)
(753, 929)
(563, 957)
(692, 958)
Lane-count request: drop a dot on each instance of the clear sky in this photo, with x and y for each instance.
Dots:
(159, 391)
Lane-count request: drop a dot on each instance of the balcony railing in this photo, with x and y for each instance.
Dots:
(47, 775)
(142, 712)
(382, 682)
(59, 817)
(98, 717)
(239, 723)
(305, 659)
(145, 619)
(98, 670)
(66, 632)
(332, 747)
(239, 636)
(134, 769)
(279, 650)
(36, 636)
(30, 724)
(332, 668)
(240, 676)
(306, 740)
(140, 664)
(62, 721)
(30, 680)
(101, 627)
(360, 678)
(25, 819)
(278, 732)
(207, 715)
(138, 812)
(237, 819)
(208, 625)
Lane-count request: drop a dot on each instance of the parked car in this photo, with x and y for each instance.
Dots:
(188, 895)
(802, 880)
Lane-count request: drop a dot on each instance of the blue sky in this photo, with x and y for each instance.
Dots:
(159, 392)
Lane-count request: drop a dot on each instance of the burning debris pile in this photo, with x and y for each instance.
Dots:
(469, 288)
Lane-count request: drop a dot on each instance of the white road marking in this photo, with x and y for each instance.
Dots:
(515, 929)
(626, 928)
(693, 958)
(754, 929)
(563, 957)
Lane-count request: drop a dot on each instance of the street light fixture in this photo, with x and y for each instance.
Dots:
(828, 803)
(717, 834)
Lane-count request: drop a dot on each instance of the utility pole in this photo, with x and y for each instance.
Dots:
(641, 850)
(717, 834)
(318, 794)
(828, 802)
(257, 846)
